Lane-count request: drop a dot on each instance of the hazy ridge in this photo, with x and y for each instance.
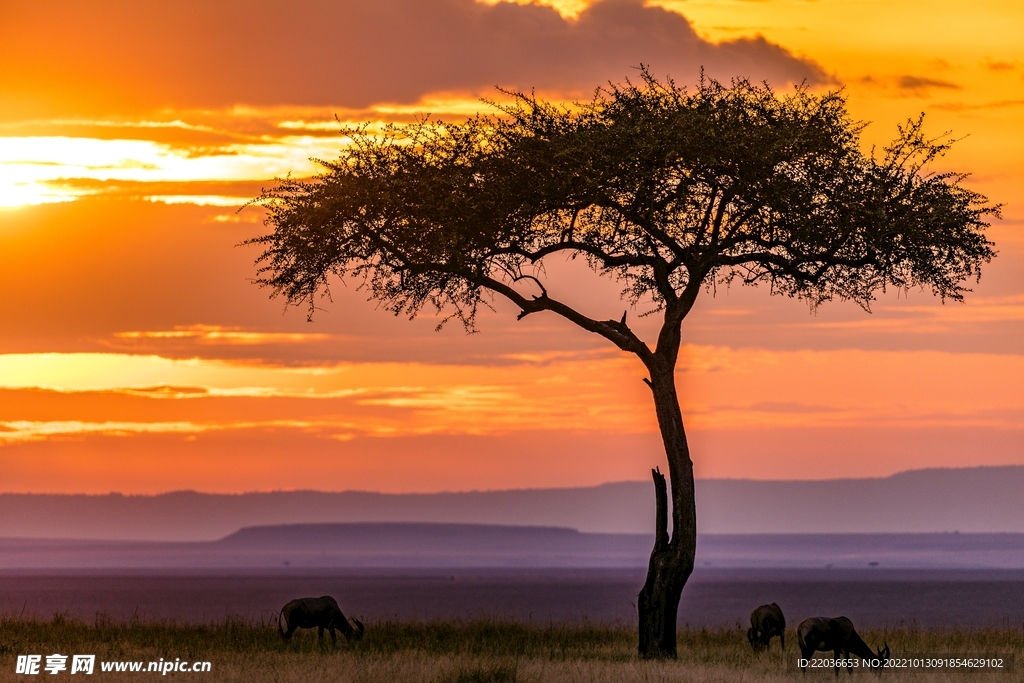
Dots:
(427, 545)
(979, 500)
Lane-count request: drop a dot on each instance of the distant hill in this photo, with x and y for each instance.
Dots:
(402, 545)
(982, 499)
(977, 499)
(382, 544)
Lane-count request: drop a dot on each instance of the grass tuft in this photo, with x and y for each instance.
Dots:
(489, 673)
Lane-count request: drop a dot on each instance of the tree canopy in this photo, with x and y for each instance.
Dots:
(666, 188)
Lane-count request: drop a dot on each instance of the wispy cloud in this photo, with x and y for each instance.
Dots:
(720, 388)
(24, 430)
(969, 106)
(217, 334)
(921, 84)
(198, 199)
(44, 169)
(934, 319)
(811, 416)
(19, 431)
(999, 65)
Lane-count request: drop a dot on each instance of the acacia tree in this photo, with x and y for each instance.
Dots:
(671, 191)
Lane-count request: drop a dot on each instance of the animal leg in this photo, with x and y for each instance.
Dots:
(805, 654)
(320, 633)
(288, 634)
(334, 638)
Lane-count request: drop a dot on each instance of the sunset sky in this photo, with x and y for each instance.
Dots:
(137, 356)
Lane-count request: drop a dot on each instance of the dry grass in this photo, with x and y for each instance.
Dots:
(461, 652)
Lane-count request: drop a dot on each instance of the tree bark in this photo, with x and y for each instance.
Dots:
(672, 558)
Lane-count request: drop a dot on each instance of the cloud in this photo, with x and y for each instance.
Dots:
(921, 83)
(119, 55)
(997, 65)
(25, 430)
(939, 63)
(960, 106)
(217, 334)
(39, 169)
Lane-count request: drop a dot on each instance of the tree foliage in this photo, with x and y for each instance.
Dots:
(666, 188)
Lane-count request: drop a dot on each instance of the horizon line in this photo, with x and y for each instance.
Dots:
(508, 490)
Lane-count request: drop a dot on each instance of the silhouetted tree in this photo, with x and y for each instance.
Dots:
(667, 189)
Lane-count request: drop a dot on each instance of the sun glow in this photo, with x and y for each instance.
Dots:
(240, 144)
(44, 169)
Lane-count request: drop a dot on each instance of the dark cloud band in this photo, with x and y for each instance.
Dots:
(118, 54)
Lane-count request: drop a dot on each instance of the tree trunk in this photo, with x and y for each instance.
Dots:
(672, 559)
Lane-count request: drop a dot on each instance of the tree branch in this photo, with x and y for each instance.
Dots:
(614, 331)
(661, 511)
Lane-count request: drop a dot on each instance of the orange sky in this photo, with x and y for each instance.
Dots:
(136, 356)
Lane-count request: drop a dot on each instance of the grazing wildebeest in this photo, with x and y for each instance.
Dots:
(323, 613)
(820, 634)
(766, 622)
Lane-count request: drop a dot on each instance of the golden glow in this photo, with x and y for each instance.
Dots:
(198, 199)
(111, 371)
(39, 169)
(34, 170)
(570, 9)
(332, 125)
(829, 29)
(19, 431)
(24, 430)
(723, 388)
(216, 334)
(406, 398)
(963, 64)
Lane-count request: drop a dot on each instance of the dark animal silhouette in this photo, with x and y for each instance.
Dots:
(766, 622)
(323, 613)
(820, 634)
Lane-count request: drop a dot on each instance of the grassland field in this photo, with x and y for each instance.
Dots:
(462, 652)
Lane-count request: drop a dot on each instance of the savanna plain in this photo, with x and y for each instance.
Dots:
(470, 651)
